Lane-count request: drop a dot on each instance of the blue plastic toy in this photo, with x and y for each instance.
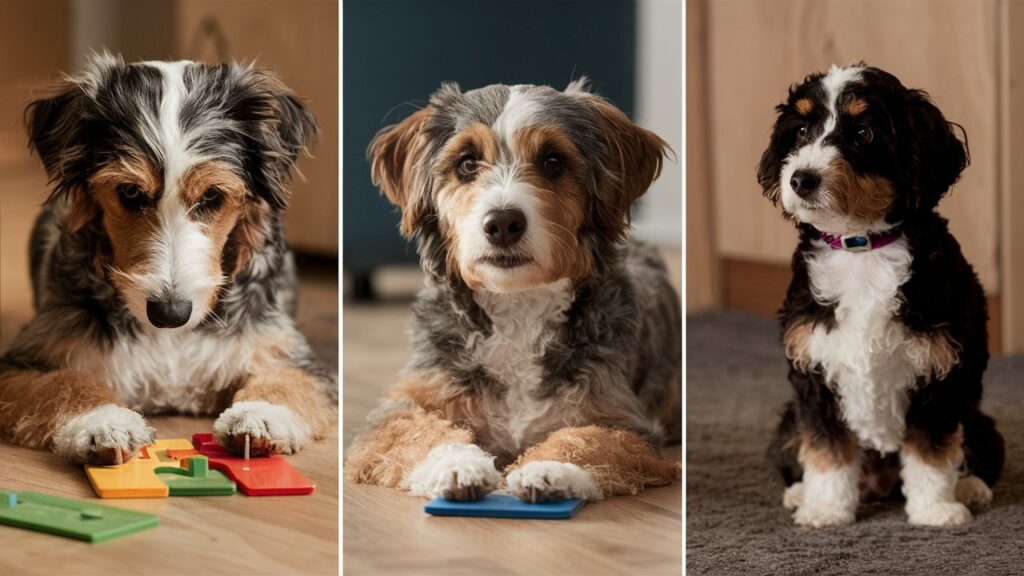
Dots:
(499, 506)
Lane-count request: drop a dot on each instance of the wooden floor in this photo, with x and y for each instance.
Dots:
(386, 531)
(201, 535)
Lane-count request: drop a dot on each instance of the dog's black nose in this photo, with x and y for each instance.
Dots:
(504, 227)
(168, 313)
(805, 182)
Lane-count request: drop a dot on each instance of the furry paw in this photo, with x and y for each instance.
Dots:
(272, 429)
(102, 436)
(793, 497)
(818, 515)
(460, 472)
(972, 492)
(939, 514)
(547, 481)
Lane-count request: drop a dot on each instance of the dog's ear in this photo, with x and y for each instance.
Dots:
(281, 128)
(770, 165)
(58, 132)
(633, 161)
(397, 157)
(933, 155)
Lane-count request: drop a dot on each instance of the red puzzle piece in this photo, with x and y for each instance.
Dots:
(269, 476)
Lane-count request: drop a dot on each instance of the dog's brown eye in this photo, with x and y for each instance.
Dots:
(554, 165)
(211, 200)
(467, 166)
(131, 197)
(802, 132)
(863, 135)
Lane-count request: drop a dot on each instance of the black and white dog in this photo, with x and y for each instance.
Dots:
(160, 273)
(545, 344)
(884, 321)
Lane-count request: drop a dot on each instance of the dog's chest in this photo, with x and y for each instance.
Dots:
(868, 358)
(191, 372)
(523, 325)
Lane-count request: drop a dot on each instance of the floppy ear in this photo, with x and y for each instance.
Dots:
(58, 131)
(634, 160)
(769, 167)
(283, 128)
(397, 157)
(934, 156)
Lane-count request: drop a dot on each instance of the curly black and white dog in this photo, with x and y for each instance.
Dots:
(545, 345)
(160, 273)
(884, 321)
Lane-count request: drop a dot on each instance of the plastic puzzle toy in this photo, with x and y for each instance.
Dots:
(194, 478)
(268, 476)
(502, 506)
(70, 518)
(137, 477)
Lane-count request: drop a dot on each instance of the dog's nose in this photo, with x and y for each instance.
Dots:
(504, 227)
(805, 182)
(168, 312)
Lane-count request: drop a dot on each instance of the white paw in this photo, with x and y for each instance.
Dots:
(272, 428)
(546, 481)
(939, 514)
(103, 436)
(454, 471)
(818, 515)
(972, 492)
(793, 497)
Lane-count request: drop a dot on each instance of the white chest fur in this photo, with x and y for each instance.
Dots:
(180, 371)
(869, 358)
(523, 325)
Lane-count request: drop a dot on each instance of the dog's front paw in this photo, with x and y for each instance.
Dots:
(793, 497)
(818, 515)
(109, 434)
(972, 492)
(461, 472)
(939, 514)
(272, 429)
(547, 481)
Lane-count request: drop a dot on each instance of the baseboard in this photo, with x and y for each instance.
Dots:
(761, 287)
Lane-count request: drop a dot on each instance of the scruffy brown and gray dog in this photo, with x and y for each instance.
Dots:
(160, 274)
(545, 343)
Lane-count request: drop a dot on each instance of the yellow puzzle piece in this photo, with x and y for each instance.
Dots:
(136, 478)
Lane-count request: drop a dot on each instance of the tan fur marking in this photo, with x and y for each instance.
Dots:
(826, 456)
(796, 340)
(855, 107)
(947, 453)
(129, 233)
(804, 106)
(385, 454)
(943, 353)
(295, 389)
(33, 405)
(619, 460)
(865, 198)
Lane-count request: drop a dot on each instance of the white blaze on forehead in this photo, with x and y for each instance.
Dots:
(520, 110)
(833, 83)
(172, 141)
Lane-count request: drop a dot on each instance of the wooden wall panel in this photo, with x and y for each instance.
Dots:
(298, 40)
(758, 48)
(1011, 207)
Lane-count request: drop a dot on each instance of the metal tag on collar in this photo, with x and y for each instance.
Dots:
(856, 243)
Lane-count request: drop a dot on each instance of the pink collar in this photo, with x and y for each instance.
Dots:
(852, 243)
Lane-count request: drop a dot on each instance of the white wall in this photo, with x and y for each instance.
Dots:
(660, 109)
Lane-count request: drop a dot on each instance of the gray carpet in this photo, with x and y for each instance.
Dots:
(736, 384)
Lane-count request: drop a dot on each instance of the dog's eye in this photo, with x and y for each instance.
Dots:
(801, 132)
(863, 136)
(211, 199)
(131, 197)
(467, 166)
(554, 165)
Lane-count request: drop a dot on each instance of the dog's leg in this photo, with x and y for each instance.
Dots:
(72, 413)
(829, 492)
(930, 474)
(422, 452)
(281, 410)
(589, 462)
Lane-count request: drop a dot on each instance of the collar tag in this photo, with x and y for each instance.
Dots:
(856, 243)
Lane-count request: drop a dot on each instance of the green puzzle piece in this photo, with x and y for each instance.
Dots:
(196, 480)
(70, 518)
